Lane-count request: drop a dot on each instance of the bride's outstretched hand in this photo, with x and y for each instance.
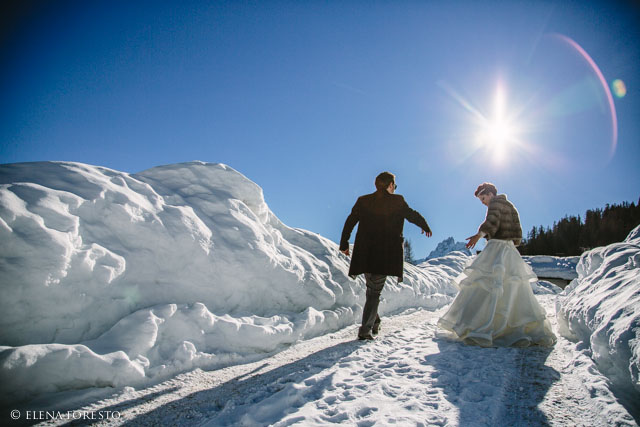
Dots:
(427, 233)
(472, 241)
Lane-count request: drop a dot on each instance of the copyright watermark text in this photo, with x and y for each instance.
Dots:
(63, 415)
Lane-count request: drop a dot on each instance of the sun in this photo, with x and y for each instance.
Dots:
(498, 137)
(498, 133)
(494, 134)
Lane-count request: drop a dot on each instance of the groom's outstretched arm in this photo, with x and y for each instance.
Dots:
(414, 217)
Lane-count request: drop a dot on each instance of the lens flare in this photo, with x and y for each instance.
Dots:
(558, 116)
(619, 88)
(603, 82)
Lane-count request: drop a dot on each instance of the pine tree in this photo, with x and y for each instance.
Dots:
(570, 236)
(408, 251)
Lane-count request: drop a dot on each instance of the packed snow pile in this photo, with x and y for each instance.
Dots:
(112, 279)
(553, 267)
(602, 309)
(446, 246)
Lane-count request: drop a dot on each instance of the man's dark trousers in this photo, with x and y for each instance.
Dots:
(370, 318)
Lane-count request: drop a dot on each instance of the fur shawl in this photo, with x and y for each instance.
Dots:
(502, 220)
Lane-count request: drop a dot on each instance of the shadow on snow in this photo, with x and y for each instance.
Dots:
(227, 403)
(493, 386)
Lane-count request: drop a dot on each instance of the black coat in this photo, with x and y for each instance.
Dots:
(379, 243)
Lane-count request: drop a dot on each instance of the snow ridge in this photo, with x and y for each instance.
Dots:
(114, 279)
(601, 308)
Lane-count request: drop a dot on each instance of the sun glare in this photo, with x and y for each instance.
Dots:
(497, 133)
(558, 123)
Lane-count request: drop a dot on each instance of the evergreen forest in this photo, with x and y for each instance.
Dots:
(573, 235)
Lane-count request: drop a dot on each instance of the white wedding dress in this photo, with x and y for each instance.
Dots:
(495, 305)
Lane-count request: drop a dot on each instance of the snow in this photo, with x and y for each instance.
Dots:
(115, 279)
(175, 296)
(409, 376)
(553, 267)
(601, 308)
(446, 246)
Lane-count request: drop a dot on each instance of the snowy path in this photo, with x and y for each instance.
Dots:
(409, 376)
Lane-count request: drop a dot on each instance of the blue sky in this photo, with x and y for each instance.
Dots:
(313, 99)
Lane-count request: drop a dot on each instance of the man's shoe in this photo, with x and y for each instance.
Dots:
(366, 337)
(375, 329)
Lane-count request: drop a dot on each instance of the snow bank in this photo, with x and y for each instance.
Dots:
(542, 287)
(602, 309)
(553, 267)
(112, 279)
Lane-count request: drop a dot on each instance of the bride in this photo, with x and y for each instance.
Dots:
(495, 305)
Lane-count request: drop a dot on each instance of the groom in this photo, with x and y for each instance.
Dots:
(378, 249)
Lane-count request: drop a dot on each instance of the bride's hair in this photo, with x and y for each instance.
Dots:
(485, 188)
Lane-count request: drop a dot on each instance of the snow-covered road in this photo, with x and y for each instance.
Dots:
(410, 375)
